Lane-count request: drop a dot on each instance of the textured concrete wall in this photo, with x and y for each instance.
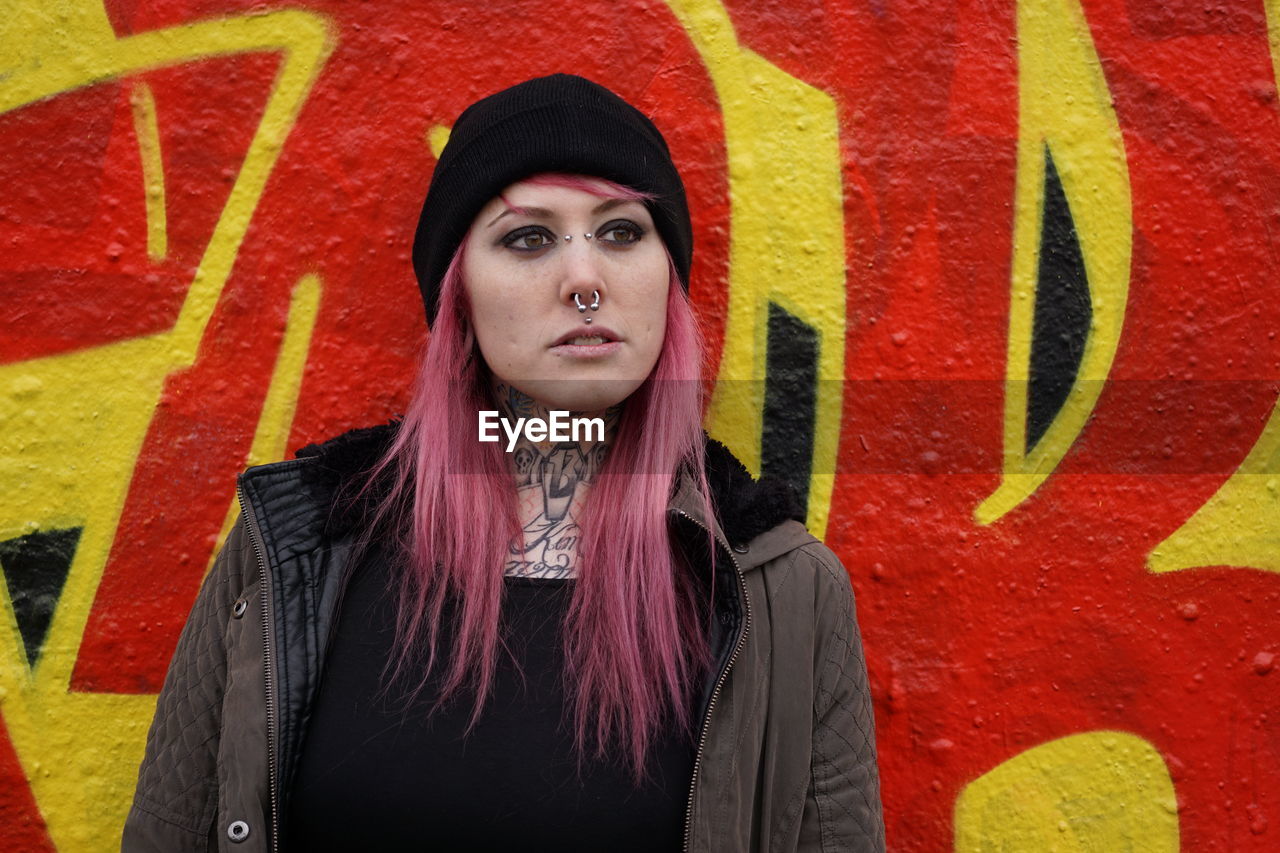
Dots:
(1007, 271)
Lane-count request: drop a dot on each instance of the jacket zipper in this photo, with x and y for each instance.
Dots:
(255, 538)
(715, 692)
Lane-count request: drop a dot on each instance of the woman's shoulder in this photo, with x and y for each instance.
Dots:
(747, 508)
(352, 452)
(808, 566)
(327, 485)
(341, 465)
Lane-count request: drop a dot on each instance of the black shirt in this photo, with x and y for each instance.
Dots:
(376, 774)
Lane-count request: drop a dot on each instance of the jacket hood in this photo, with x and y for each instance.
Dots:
(745, 507)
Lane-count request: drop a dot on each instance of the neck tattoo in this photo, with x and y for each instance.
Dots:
(552, 481)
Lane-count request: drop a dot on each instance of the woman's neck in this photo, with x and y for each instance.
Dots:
(552, 480)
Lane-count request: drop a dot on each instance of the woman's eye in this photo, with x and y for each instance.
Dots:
(528, 239)
(621, 232)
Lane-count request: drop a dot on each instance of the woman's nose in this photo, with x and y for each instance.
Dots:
(582, 282)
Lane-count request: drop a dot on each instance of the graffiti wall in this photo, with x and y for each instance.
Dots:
(1003, 276)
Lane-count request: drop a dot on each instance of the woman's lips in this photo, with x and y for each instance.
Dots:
(586, 332)
(591, 342)
(587, 350)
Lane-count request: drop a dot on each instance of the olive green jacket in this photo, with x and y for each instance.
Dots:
(786, 757)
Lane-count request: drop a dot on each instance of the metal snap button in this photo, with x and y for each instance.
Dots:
(238, 831)
(240, 607)
(741, 549)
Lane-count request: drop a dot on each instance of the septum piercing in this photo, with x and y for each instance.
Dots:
(595, 304)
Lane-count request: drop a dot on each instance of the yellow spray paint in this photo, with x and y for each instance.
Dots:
(146, 129)
(1096, 792)
(72, 425)
(272, 433)
(1272, 8)
(437, 138)
(782, 139)
(1240, 524)
(1063, 102)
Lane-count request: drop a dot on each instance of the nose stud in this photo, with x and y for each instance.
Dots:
(595, 303)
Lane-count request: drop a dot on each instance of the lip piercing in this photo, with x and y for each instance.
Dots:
(595, 304)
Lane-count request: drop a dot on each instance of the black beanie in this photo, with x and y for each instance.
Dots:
(560, 123)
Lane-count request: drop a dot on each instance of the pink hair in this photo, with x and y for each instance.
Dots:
(635, 652)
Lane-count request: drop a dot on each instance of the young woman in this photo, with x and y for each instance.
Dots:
(418, 638)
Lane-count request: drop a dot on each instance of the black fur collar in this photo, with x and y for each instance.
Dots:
(745, 507)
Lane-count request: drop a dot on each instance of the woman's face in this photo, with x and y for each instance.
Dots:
(521, 276)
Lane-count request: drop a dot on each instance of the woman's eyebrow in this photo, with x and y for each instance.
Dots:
(535, 212)
(609, 204)
(543, 213)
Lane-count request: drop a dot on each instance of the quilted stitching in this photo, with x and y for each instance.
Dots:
(176, 782)
(845, 717)
(744, 723)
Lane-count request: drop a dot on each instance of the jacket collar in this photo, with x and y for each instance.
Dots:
(758, 519)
